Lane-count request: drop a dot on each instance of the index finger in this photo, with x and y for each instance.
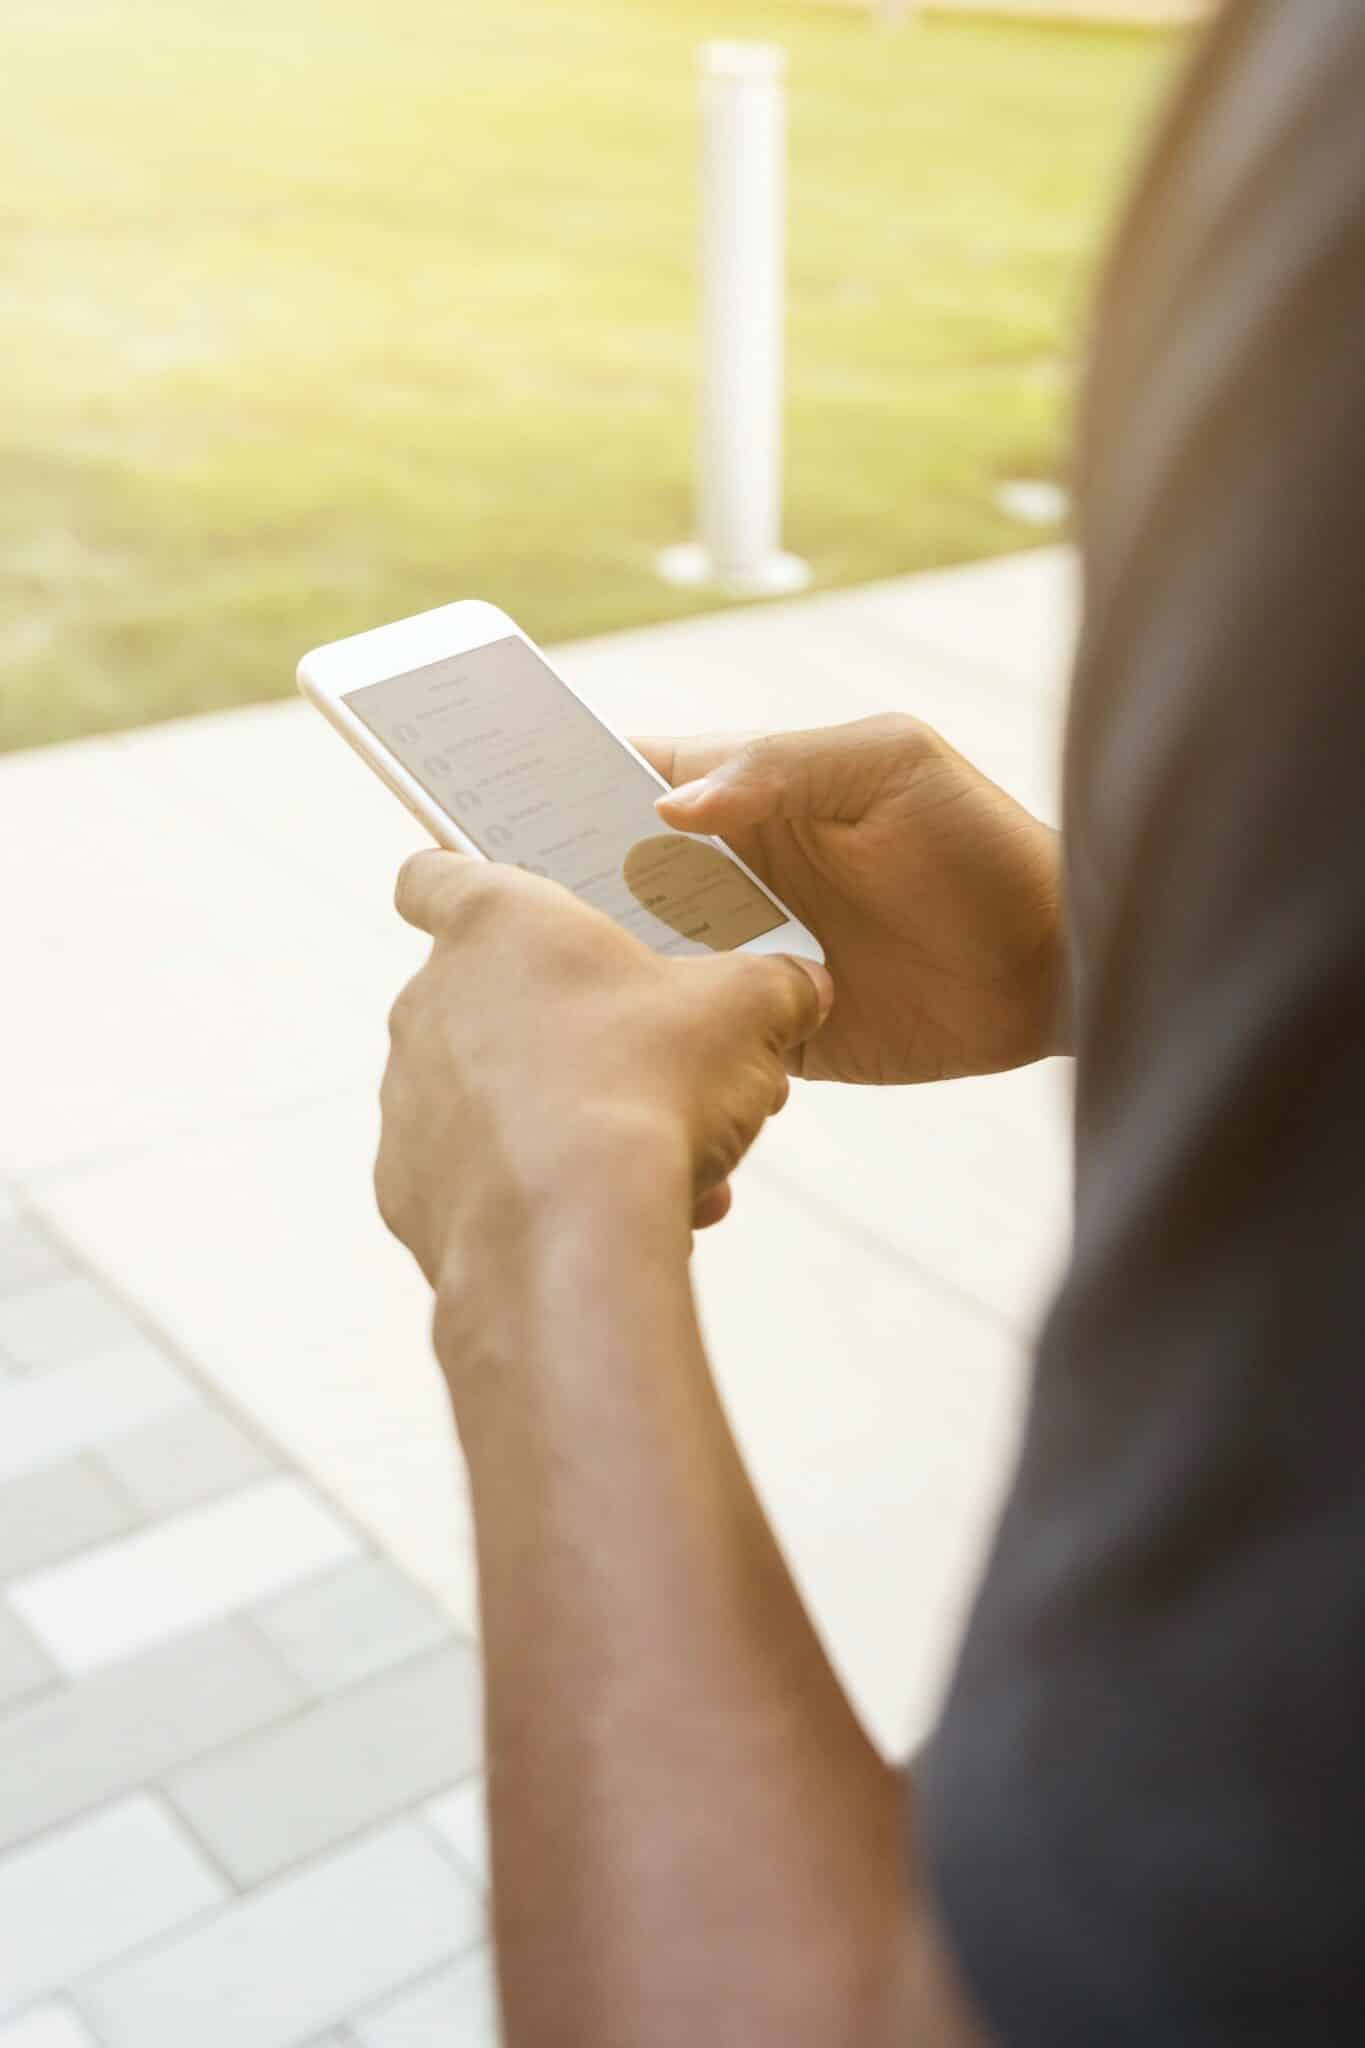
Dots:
(694, 755)
(429, 885)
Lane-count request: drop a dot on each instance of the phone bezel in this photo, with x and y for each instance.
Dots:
(326, 673)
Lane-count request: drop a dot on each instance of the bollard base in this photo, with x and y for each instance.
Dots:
(692, 567)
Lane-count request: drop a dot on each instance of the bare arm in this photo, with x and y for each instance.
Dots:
(693, 1840)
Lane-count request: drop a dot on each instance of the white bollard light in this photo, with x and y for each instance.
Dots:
(743, 206)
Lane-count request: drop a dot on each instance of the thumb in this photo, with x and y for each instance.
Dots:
(831, 772)
(783, 999)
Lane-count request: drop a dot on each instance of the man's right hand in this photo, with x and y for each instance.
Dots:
(934, 894)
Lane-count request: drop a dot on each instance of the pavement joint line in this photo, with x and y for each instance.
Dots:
(140, 1517)
(245, 1617)
(351, 1835)
(19, 1702)
(155, 1785)
(310, 1701)
(442, 1840)
(904, 1262)
(296, 1867)
(49, 1677)
(157, 1788)
(28, 1287)
(146, 1788)
(239, 1896)
(152, 1783)
(246, 1620)
(377, 2006)
(208, 1390)
(149, 1944)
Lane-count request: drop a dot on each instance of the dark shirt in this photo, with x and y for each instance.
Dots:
(1145, 1805)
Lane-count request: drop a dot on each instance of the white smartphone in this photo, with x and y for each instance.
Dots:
(497, 756)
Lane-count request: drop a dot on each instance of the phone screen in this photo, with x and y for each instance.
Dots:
(531, 776)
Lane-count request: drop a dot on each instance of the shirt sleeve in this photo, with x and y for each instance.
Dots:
(1145, 1803)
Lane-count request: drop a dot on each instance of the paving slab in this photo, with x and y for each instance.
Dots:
(298, 1956)
(333, 1357)
(24, 1669)
(877, 1413)
(350, 1623)
(225, 985)
(47, 2026)
(180, 1574)
(936, 1175)
(457, 2008)
(93, 1890)
(48, 1514)
(28, 1256)
(460, 1818)
(290, 1791)
(190, 1456)
(122, 1728)
(75, 1407)
(70, 1316)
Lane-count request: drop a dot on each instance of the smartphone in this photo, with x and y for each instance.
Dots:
(496, 755)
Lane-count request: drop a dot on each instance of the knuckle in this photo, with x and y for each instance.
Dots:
(410, 885)
(387, 1194)
(401, 1011)
(439, 891)
(900, 729)
(797, 1007)
(732, 991)
(403, 881)
(468, 905)
(760, 759)
(450, 1332)
(790, 994)
(725, 1146)
(471, 901)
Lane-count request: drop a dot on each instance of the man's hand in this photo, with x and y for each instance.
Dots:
(934, 894)
(541, 1045)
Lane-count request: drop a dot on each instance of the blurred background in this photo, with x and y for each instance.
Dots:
(319, 312)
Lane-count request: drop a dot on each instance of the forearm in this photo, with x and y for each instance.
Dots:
(690, 1831)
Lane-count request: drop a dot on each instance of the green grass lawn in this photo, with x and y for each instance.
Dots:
(317, 312)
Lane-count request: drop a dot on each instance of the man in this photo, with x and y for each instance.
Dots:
(1142, 1818)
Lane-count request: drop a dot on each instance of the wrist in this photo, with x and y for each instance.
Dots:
(531, 1248)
